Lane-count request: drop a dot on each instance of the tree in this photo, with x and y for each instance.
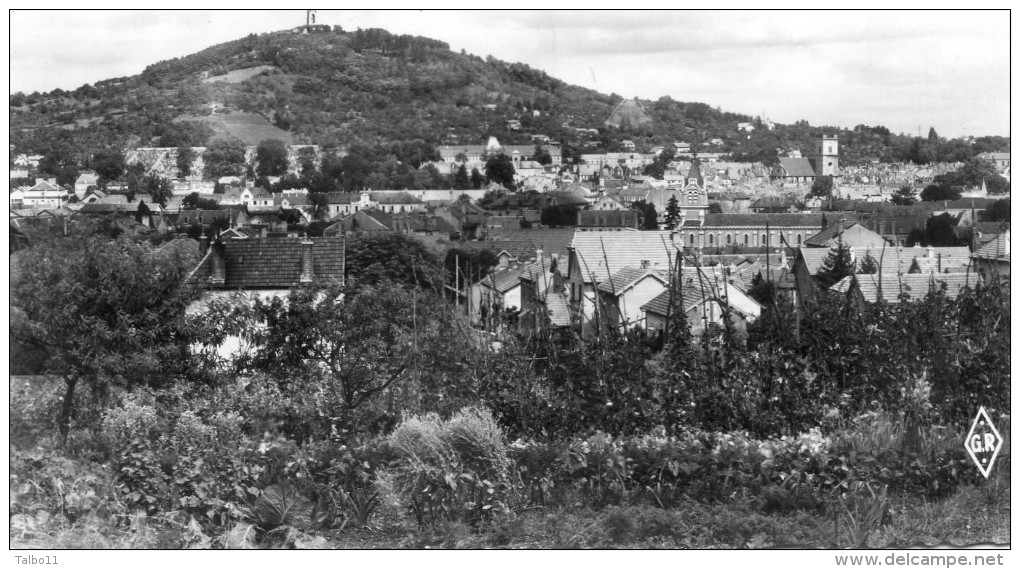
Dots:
(869, 266)
(657, 169)
(109, 164)
(939, 231)
(224, 157)
(672, 213)
(998, 211)
(500, 169)
(196, 201)
(356, 170)
(646, 211)
(360, 344)
(932, 135)
(477, 179)
(904, 196)
(837, 265)
(822, 187)
(271, 158)
(937, 192)
(161, 189)
(320, 205)
(185, 156)
(109, 312)
(460, 179)
(541, 155)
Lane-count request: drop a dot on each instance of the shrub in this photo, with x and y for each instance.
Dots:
(453, 470)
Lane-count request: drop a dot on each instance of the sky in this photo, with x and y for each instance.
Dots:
(906, 70)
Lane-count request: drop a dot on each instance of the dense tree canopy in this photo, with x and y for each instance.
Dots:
(939, 192)
(500, 169)
(224, 157)
(998, 211)
(271, 158)
(109, 164)
(109, 311)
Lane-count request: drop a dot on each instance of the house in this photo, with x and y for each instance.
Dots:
(624, 293)
(465, 217)
(501, 291)
(42, 195)
(999, 159)
(893, 289)
(749, 230)
(607, 219)
(992, 259)
(794, 170)
(605, 203)
(852, 234)
(219, 218)
(256, 197)
(706, 297)
(891, 261)
(84, 182)
(594, 256)
(241, 270)
(777, 204)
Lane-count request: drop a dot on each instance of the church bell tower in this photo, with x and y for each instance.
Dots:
(827, 156)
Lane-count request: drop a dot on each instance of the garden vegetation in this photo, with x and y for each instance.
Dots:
(372, 415)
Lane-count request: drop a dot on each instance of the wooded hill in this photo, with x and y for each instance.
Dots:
(339, 88)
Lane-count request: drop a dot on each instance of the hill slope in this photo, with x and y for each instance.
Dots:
(342, 88)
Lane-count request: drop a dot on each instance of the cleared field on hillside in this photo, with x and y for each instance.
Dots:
(238, 75)
(249, 127)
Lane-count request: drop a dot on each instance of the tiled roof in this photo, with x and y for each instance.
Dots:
(607, 218)
(275, 263)
(760, 219)
(893, 260)
(693, 295)
(507, 279)
(832, 231)
(342, 198)
(916, 286)
(552, 240)
(626, 277)
(775, 201)
(97, 208)
(520, 249)
(797, 167)
(600, 254)
(996, 249)
(205, 216)
(44, 186)
(557, 309)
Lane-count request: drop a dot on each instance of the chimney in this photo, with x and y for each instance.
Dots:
(307, 272)
(219, 263)
(203, 246)
(931, 252)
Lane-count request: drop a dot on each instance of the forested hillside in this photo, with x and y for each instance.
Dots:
(339, 88)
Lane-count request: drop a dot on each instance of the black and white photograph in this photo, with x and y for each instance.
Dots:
(385, 281)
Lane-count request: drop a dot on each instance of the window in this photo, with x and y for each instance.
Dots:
(747, 240)
(690, 239)
(764, 240)
(799, 236)
(710, 241)
(729, 238)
